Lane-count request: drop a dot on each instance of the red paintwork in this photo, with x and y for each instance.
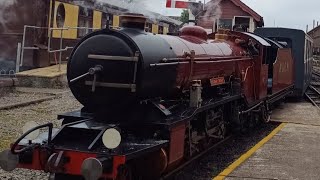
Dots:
(283, 72)
(73, 167)
(36, 161)
(263, 81)
(177, 4)
(229, 58)
(176, 148)
(194, 31)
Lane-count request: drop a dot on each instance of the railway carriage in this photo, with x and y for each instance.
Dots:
(152, 103)
(301, 45)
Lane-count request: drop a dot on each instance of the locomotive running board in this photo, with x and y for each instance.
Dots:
(84, 136)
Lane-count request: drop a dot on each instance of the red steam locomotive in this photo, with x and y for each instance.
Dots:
(152, 102)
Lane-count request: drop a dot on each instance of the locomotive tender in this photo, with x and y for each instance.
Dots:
(152, 102)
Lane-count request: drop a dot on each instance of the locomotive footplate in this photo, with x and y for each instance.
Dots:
(79, 143)
(86, 136)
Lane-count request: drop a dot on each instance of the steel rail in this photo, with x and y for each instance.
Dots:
(175, 171)
(316, 73)
(312, 94)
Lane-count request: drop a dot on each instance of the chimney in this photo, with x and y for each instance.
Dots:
(317, 23)
(131, 20)
(307, 29)
(314, 23)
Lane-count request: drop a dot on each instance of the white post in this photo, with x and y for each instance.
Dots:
(23, 44)
(18, 57)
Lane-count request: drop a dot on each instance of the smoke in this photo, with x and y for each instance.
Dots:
(213, 10)
(7, 2)
(133, 6)
(5, 14)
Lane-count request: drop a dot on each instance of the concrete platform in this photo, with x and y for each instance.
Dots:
(292, 151)
(291, 154)
(48, 77)
(298, 113)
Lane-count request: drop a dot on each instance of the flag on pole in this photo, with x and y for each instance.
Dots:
(177, 4)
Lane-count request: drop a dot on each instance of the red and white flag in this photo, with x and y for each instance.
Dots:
(177, 4)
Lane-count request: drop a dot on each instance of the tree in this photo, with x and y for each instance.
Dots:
(184, 16)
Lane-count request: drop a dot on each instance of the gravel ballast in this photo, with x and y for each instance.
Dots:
(12, 121)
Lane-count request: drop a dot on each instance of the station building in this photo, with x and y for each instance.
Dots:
(315, 35)
(232, 14)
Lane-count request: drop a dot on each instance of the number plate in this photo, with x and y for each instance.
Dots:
(217, 81)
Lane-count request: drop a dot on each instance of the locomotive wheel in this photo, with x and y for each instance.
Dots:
(265, 115)
(222, 131)
(237, 124)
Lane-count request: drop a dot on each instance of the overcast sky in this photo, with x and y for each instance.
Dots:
(282, 13)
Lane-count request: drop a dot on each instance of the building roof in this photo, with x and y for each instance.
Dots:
(248, 10)
(114, 7)
(313, 30)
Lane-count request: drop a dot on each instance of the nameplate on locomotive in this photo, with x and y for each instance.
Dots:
(217, 81)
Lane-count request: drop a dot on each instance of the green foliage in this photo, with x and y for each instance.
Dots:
(184, 16)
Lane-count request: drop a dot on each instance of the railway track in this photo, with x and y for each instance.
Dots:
(172, 175)
(316, 74)
(313, 95)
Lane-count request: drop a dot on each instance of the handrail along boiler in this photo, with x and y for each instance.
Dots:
(151, 102)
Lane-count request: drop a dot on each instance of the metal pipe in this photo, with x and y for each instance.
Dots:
(15, 144)
(252, 108)
(58, 50)
(60, 54)
(49, 40)
(168, 64)
(35, 27)
(79, 77)
(23, 44)
(31, 48)
(203, 58)
(231, 60)
(114, 58)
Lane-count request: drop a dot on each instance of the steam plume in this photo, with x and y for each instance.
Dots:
(5, 14)
(133, 6)
(213, 10)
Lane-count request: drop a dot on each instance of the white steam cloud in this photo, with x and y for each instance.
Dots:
(5, 17)
(133, 6)
(5, 14)
(213, 10)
